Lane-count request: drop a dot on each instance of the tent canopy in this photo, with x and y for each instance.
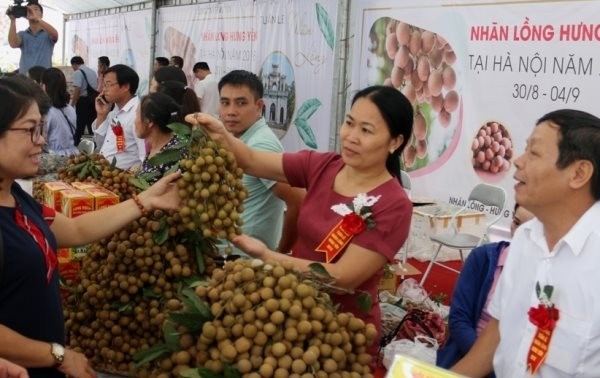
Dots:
(77, 6)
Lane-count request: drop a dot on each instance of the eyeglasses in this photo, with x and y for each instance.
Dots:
(108, 84)
(35, 132)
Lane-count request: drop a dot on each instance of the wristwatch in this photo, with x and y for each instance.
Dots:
(58, 353)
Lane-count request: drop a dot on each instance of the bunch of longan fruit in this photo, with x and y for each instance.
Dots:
(269, 321)
(492, 148)
(212, 189)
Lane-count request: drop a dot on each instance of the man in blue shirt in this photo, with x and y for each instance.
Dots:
(36, 42)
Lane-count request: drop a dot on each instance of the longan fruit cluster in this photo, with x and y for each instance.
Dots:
(212, 189)
(492, 148)
(270, 322)
(128, 284)
(422, 71)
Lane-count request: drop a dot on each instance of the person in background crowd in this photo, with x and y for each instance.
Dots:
(166, 74)
(61, 119)
(207, 89)
(10, 370)
(114, 130)
(473, 292)
(155, 113)
(31, 318)
(160, 61)
(264, 216)
(176, 61)
(103, 64)
(182, 94)
(35, 73)
(36, 42)
(375, 132)
(82, 99)
(558, 181)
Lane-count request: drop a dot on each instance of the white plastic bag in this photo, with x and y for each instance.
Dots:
(423, 348)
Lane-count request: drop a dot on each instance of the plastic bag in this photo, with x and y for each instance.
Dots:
(422, 348)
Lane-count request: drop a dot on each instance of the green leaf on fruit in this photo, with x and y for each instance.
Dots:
(319, 270)
(192, 321)
(180, 128)
(199, 373)
(325, 25)
(162, 234)
(171, 337)
(195, 304)
(169, 156)
(139, 183)
(365, 303)
(148, 355)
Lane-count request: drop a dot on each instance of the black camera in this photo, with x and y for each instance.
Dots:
(19, 10)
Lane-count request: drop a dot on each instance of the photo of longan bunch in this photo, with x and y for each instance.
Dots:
(212, 190)
(419, 63)
(492, 148)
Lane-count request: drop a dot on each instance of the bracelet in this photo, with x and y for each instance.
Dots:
(137, 201)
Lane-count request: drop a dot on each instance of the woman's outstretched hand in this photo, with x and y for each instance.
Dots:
(163, 194)
(251, 246)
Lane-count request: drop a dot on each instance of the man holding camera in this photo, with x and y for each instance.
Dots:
(37, 41)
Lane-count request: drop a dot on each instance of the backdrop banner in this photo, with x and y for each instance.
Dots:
(479, 76)
(289, 44)
(124, 37)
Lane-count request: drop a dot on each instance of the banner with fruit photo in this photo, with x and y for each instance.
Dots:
(288, 44)
(479, 76)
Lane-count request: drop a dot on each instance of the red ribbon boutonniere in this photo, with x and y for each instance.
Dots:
(544, 317)
(117, 129)
(356, 217)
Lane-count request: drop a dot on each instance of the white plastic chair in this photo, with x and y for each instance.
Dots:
(488, 195)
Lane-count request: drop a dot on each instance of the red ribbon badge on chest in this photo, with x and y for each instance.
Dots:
(544, 316)
(356, 217)
(117, 129)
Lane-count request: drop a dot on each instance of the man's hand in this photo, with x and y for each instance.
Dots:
(76, 365)
(10, 14)
(10, 370)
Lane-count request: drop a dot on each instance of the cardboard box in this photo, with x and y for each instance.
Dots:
(102, 197)
(75, 202)
(52, 191)
(83, 185)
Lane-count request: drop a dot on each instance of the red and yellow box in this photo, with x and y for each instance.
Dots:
(52, 191)
(83, 185)
(75, 202)
(102, 197)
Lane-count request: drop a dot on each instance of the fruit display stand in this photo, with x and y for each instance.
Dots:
(154, 300)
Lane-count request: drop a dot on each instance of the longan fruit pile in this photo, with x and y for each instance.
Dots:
(271, 322)
(128, 284)
(212, 190)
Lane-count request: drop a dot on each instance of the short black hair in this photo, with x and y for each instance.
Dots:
(77, 60)
(36, 72)
(579, 138)
(125, 75)
(177, 60)
(243, 78)
(162, 61)
(104, 60)
(201, 66)
(167, 73)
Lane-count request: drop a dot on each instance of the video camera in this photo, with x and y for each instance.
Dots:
(18, 9)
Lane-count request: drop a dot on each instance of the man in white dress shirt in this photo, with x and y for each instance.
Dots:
(558, 180)
(206, 89)
(114, 130)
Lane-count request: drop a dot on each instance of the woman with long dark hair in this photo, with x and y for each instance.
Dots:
(61, 120)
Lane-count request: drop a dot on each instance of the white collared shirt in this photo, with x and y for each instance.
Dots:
(207, 91)
(573, 269)
(135, 150)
